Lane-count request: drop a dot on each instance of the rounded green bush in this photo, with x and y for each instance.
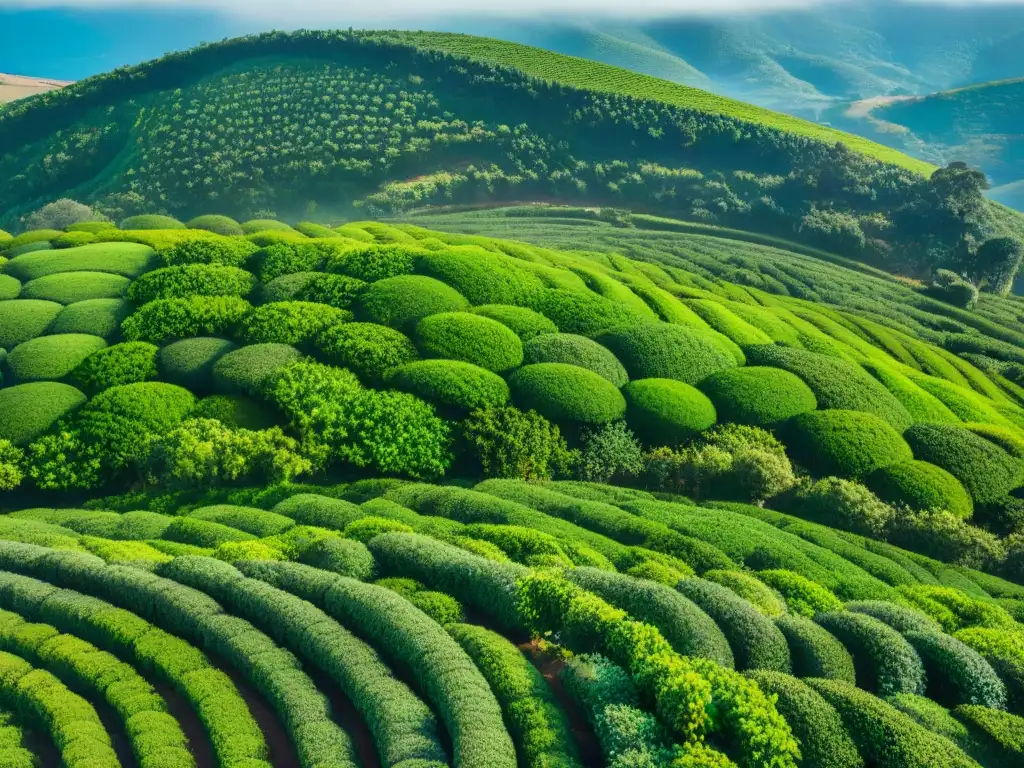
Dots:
(151, 221)
(1003, 732)
(575, 350)
(837, 384)
(24, 319)
(758, 395)
(125, 259)
(401, 302)
(755, 592)
(253, 226)
(984, 469)
(244, 370)
(921, 485)
(367, 349)
(338, 291)
(803, 596)
(129, 363)
(755, 640)
(50, 358)
(482, 276)
(525, 323)
(939, 720)
(73, 240)
(567, 394)
(33, 236)
(69, 287)
(285, 287)
(99, 317)
(583, 312)
(845, 443)
(666, 411)
(814, 650)
(92, 227)
(289, 322)
(656, 350)
(451, 383)
(10, 287)
(183, 281)
(900, 617)
(824, 742)
(236, 411)
(470, 338)
(221, 225)
(189, 362)
(29, 410)
(956, 673)
(166, 320)
(886, 663)
(371, 263)
(12, 253)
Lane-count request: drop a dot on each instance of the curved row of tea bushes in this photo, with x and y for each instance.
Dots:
(13, 752)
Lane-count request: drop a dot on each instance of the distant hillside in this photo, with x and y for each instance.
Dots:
(14, 87)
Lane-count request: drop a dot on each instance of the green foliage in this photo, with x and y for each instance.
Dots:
(228, 252)
(921, 485)
(1002, 730)
(265, 225)
(815, 651)
(29, 410)
(755, 641)
(96, 317)
(151, 221)
(824, 741)
(837, 384)
(69, 287)
(451, 384)
(802, 595)
(846, 505)
(23, 319)
(125, 259)
(288, 322)
(11, 460)
(575, 350)
(763, 598)
(182, 282)
(847, 443)
(167, 320)
(371, 351)
(50, 358)
(758, 395)
(582, 312)
(10, 288)
(985, 470)
(338, 291)
(567, 394)
(956, 673)
(885, 662)
(375, 262)
(470, 338)
(247, 370)
(505, 442)
(189, 362)
(902, 618)
(401, 302)
(609, 452)
(525, 323)
(235, 412)
(73, 240)
(953, 289)
(667, 412)
(219, 225)
(664, 351)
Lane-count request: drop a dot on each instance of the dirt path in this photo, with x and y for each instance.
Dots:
(198, 742)
(282, 752)
(114, 727)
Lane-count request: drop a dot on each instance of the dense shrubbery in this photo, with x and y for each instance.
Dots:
(470, 338)
(751, 589)
(846, 505)
(288, 322)
(192, 280)
(245, 371)
(886, 663)
(575, 350)
(189, 362)
(845, 443)
(151, 221)
(985, 470)
(220, 225)
(567, 394)
(921, 486)
(758, 395)
(666, 411)
(29, 410)
(401, 302)
(506, 442)
(451, 384)
(663, 351)
(24, 319)
(69, 287)
(815, 651)
(50, 358)
(369, 350)
(375, 262)
(802, 596)
(525, 323)
(166, 320)
(608, 453)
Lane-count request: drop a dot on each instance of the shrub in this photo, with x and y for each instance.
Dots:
(451, 384)
(281, 259)
(582, 312)
(900, 617)
(96, 317)
(760, 475)
(1002, 730)
(846, 505)
(265, 225)
(1007, 438)
(482, 276)
(29, 410)
(752, 590)
(32, 236)
(11, 461)
(575, 350)
(401, 302)
(939, 720)
(923, 406)
(60, 214)
(369, 350)
(12, 253)
(189, 362)
(957, 674)
(609, 452)
(667, 412)
(92, 227)
(188, 280)
(24, 319)
(506, 442)
(567, 394)
(847, 443)
(986, 471)
(470, 338)
(664, 351)
(824, 742)
(151, 221)
(236, 412)
(338, 291)
(802, 595)
(375, 262)
(126, 259)
(228, 252)
(69, 287)
(525, 323)
(885, 662)
(921, 485)
(50, 358)
(758, 395)
(73, 240)
(886, 737)
(837, 384)
(166, 320)
(220, 225)
(288, 322)
(1013, 566)
(949, 287)
(246, 370)
(755, 641)
(10, 288)
(815, 651)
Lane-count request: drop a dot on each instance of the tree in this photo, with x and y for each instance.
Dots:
(60, 214)
(997, 261)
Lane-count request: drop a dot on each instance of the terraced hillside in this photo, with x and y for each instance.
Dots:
(287, 496)
(323, 125)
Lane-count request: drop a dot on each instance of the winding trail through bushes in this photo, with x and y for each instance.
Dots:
(198, 741)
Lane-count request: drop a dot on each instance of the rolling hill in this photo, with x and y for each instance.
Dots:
(405, 493)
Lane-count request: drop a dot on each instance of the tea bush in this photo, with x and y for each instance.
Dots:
(663, 351)
(567, 394)
(451, 384)
(846, 443)
(758, 396)
(575, 350)
(469, 338)
(921, 485)
(667, 412)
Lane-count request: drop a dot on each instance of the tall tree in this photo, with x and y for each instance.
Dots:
(998, 260)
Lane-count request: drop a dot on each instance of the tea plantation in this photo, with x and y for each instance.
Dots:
(498, 490)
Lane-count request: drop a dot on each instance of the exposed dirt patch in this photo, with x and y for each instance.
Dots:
(14, 87)
(348, 717)
(198, 742)
(114, 726)
(282, 753)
